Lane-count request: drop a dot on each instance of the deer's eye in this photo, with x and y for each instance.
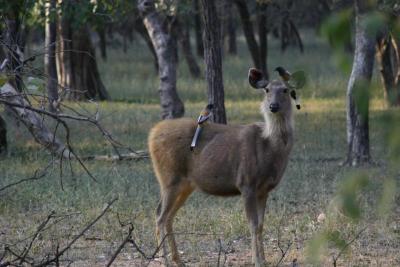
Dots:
(285, 90)
(267, 90)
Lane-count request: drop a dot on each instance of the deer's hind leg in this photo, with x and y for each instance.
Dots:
(172, 198)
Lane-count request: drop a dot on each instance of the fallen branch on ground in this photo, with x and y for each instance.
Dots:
(22, 257)
(138, 155)
(121, 246)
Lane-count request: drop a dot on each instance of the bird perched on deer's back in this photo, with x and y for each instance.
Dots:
(285, 75)
(205, 114)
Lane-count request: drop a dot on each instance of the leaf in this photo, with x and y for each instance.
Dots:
(297, 79)
(343, 61)
(361, 97)
(35, 85)
(3, 79)
(337, 28)
(387, 199)
(336, 239)
(350, 206)
(374, 22)
(316, 247)
(348, 194)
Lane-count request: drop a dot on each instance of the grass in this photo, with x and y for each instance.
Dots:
(308, 188)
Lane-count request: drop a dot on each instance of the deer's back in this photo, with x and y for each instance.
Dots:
(225, 157)
(169, 145)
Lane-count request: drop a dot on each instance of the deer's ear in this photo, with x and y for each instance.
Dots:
(256, 79)
(294, 96)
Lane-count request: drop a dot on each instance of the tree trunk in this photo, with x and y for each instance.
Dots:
(76, 62)
(248, 32)
(184, 38)
(141, 29)
(64, 54)
(166, 47)
(358, 91)
(103, 42)
(3, 137)
(32, 121)
(87, 81)
(263, 38)
(50, 56)
(294, 33)
(197, 29)
(3, 54)
(12, 42)
(213, 60)
(231, 29)
(385, 53)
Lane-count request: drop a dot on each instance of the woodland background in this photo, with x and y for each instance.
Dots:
(82, 82)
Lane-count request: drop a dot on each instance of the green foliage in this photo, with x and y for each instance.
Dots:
(346, 209)
(94, 13)
(16, 9)
(3, 79)
(310, 181)
(337, 29)
(12, 8)
(316, 247)
(361, 94)
(387, 199)
(349, 195)
(35, 85)
(298, 79)
(375, 22)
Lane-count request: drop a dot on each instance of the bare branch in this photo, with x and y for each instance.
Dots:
(39, 174)
(283, 251)
(220, 250)
(39, 229)
(68, 246)
(347, 245)
(121, 246)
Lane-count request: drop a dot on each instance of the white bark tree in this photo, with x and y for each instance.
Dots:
(34, 123)
(358, 89)
(166, 49)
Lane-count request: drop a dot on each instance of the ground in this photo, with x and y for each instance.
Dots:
(210, 229)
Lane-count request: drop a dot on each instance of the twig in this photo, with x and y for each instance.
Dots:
(68, 246)
(138, 155)
(60, 120)
(347, 245)
(220, 250)
(283, 251)
(39, 229)
(60, 116)
(121, 246)
(17, 257)
(39, 174)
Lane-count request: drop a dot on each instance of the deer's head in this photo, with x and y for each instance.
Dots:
(277, 94)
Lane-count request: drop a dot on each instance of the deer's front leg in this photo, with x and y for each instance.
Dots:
(261, 203)
(250, 205)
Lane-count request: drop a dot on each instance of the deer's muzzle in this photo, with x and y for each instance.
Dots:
(274, 107)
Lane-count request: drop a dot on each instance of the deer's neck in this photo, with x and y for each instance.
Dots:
(278, 128)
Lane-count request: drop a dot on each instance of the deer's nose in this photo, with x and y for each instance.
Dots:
(274, 107)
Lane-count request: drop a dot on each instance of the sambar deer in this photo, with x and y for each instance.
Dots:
(228, 160)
